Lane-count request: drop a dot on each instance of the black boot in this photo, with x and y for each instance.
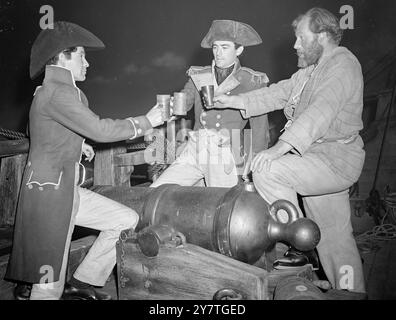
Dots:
(22, 291)
(89, 293)
(297, 259)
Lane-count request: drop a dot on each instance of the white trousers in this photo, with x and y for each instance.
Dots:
(326, 201)
(96, 212)
(203, 158)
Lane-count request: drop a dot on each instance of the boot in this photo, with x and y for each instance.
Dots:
(22, 291)
(297, 259)
(90, 293)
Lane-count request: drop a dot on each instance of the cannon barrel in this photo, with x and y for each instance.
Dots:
(236, 222)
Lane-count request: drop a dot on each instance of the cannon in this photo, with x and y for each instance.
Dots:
(204, 243)
(235, 222)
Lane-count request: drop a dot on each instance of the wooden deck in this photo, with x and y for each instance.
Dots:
(380, 272)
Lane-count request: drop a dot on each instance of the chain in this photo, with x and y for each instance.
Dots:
(125, 235)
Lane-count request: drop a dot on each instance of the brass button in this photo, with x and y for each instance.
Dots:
(219, 116)
(140, 131)
(41, 188)
(204, 114)
(30, 186)
(217, 125)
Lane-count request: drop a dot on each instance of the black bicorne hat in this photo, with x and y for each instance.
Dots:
(63, 35)
(229, 30)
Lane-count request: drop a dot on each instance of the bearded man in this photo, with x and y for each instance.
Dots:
(320, 153)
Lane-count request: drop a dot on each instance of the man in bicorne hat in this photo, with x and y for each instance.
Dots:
(210, 155)
(51, 201)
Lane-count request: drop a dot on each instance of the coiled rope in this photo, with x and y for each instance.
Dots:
(13, 135)
(373, 239)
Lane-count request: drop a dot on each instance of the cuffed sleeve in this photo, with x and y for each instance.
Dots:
(140, 126)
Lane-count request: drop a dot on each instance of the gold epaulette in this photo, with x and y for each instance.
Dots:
(196, 70)
(257, 76)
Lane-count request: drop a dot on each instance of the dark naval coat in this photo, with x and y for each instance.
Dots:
(59, 121)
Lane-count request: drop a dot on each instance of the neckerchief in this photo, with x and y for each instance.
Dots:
(222, 74)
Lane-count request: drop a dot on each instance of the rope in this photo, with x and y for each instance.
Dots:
(12, 134)
(390, 207)
(372, 239)
(384, 232)
(138, 146)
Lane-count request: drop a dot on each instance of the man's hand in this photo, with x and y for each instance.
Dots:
(228, 102)
(264, 159)
(155, 116)
(88, 151)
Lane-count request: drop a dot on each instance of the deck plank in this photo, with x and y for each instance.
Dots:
(390, 291)
(380, 272)
(379, 269)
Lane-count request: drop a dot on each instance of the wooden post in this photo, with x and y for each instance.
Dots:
(11, 171)
(170, 141)
(106, 169)
(13, 147)
(160, 144)
(382, 105)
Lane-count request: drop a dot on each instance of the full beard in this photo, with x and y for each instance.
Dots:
(311, 55)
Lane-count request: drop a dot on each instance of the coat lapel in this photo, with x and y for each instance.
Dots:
(228, 85)
(208, 78)
(202, 79)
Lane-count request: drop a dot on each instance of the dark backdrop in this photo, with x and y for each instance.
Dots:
(151, 43)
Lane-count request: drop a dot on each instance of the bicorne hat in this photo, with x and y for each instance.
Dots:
(229, 30)
(52, 41)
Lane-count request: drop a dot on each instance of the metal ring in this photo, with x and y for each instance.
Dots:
(227, 294)
(182, 238)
